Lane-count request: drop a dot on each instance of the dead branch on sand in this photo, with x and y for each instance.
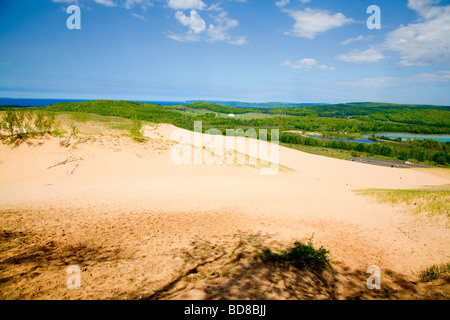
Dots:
(64, 162)
(66, 143)
(74, 168)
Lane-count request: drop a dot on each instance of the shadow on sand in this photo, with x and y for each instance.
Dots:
(219, 270)
(235, 273)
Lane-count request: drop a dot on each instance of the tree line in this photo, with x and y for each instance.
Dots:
(420, 151)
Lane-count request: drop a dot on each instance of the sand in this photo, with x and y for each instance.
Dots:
(141, 227)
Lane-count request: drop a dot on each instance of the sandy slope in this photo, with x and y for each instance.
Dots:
(134, 221)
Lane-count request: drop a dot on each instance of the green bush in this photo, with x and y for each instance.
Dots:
(136, 131)
(354, 154)
(403, 156)
(301, 256)
(49, 122)
(441, 158)
(58, 130)
(20, 121)
(8, 123)
(39, 121)
(435, 272)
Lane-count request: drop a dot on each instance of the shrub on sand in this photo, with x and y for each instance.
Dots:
(136, 131)
(435, 272)
(302, 256)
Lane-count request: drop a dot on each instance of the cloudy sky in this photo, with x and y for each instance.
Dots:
(247, 50)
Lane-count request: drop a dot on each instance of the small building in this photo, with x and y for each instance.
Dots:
(231, 115)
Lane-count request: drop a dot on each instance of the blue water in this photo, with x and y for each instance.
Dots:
(440, 137)
(32, 102)
(366, 141)
(165, 103)
(47, 102)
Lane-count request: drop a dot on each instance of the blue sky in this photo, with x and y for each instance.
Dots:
(247, 50)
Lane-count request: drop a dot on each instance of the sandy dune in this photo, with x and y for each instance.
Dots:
(140, 226)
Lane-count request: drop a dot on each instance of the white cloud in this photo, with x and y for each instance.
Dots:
(214, 32)
(129, 4)
(195, 23)
(282, 3)
(107, 3)
(418, 79)
(214, 7)
(424, 8)
(310, 22)
(359, 38)
(305, 65)
(138, 16)
(421, 43)
(219, 31)
(425, 42)
(186, 4)
(187, 37)
(65, 1)
(368, 56)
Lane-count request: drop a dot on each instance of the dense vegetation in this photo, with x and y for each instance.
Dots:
(419, 150)
(337, 121)
(355, 117)
(222, 109)
(393, 118)
(258, 105)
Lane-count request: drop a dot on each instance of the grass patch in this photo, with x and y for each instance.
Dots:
(136, 130)
(121, 126)
(91, 123)
(339, 153)
(301, 256)
(320, 151)
(431, 202)
(80, 117)
(435, 272)
(245, 116)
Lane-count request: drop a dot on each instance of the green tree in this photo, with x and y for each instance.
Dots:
(403, 156)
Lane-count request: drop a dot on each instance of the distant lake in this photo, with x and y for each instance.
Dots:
(33, 102)
(439, 137)
(366, 141)
(47, 102)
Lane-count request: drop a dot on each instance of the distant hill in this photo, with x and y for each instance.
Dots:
(257, 105)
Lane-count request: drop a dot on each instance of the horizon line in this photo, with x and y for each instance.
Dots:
(220, 100)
